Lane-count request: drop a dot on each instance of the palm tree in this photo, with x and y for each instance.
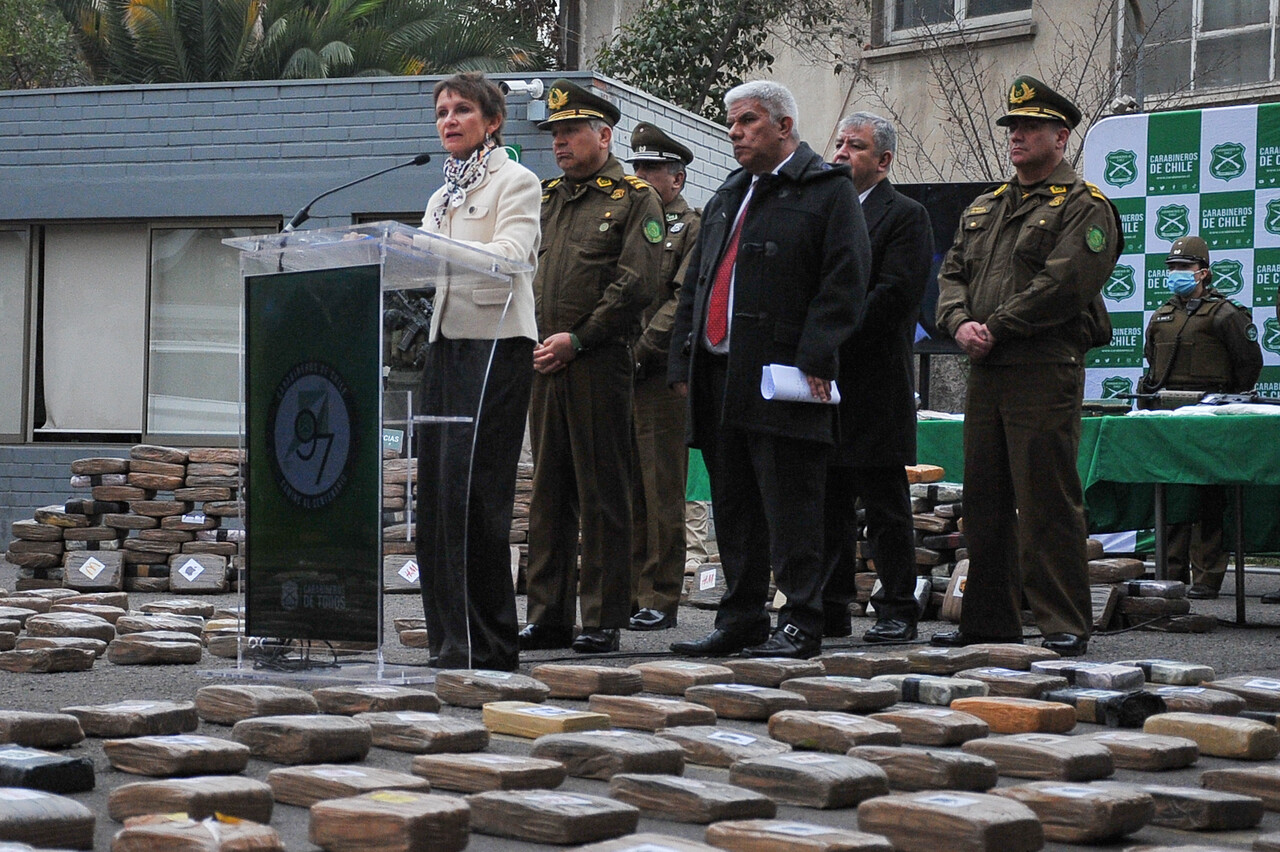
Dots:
(163, 41)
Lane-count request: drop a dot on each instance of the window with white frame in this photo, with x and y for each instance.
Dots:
(14, 261)
(1189, 45)
(907, 15)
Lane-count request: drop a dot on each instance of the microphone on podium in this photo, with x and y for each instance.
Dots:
(305, 213)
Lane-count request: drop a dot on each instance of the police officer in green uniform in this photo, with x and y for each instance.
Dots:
(1200, 340)
(602, 235)
(1020, 293)
(661, 461)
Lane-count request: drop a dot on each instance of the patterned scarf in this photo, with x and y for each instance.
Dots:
(460, 177)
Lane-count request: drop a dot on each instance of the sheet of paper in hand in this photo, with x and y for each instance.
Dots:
(787, 384)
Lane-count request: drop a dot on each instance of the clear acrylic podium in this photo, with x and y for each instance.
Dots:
(311, 393)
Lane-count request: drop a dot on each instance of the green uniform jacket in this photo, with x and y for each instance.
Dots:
(682, 223)
(1205, 344)
(601, 249)
(1029, 267)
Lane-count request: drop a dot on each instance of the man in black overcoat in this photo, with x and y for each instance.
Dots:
(778, 276)
(877, 383)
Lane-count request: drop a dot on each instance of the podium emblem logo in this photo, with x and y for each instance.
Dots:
(1114, 386)
(1272, 220)
(1173, 221)
(1121, 168)
(1228, 276)
(1271, 335)
(1122, 284)
(310, 436)
(1226, 161)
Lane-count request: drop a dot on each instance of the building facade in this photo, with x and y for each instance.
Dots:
(119, 305)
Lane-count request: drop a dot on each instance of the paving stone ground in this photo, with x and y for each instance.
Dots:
(1231, 650)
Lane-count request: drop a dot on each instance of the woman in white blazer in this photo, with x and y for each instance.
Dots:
(481, 342)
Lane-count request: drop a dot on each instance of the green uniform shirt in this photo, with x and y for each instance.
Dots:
(600, 258)
(1027, 262)
(682, 223)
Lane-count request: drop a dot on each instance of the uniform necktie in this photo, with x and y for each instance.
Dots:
(718, 310)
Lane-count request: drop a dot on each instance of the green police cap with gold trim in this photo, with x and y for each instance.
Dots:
(1189, 248)
(1029, 98)
(567, 101)
(651, 145)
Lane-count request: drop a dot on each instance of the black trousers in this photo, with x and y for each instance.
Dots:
(465, 499)
(886, 495)
(766, 493)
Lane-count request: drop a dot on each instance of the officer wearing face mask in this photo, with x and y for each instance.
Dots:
(1200, 340)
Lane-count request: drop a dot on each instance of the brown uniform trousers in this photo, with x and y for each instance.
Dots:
(598, 269)
(1028, 263)
(660, 458)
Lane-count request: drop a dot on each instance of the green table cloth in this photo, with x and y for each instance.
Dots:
(1122, 457)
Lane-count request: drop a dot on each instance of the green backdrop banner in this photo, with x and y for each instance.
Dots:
(313, 414)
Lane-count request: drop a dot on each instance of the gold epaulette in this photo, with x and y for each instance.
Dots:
(1094, 191)
(552, 183)
(635, 182)
(1000, 189)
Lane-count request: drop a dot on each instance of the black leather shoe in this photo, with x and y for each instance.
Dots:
(959, 639)
(1065, 644)
(652, 619)
(544, 637)
(788, 641)
(600, 641)
(1204, 593)
(720, 643)
(890, 630)
(1271, 597)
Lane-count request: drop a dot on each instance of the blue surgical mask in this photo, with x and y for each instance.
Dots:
(1181, 281)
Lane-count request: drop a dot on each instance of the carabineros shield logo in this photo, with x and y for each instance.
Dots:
(1173, 221)
(1226, 161)
(1114, 386)
(1271, 335)
(1228, 276)
(1272, 220)
(1121, 168)
(1122, 284)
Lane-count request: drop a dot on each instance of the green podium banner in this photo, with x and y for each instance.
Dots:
(313, 374)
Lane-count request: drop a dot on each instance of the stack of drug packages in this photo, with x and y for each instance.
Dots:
(162, 519)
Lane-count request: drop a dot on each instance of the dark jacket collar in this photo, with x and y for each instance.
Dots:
(804, 166)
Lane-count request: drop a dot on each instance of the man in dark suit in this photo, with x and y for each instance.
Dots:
(877, 383)
(796, 226)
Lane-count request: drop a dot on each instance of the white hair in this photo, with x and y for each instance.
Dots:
(776, 99)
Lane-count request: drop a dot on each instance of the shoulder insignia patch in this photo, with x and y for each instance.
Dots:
(546, 196)
(975, 211)
(1251, 332)
(1094, 191)
(604, 182)
(653, 231)
(1095, 239)
(1058, 190)
(617, 193)
(636, 182)
(1057, 201)
(1001, 189)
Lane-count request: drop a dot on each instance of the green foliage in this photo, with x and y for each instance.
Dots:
(186, 41)
(35, 46)
(693, 51)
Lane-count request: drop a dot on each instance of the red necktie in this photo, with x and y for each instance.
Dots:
(718, 310)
